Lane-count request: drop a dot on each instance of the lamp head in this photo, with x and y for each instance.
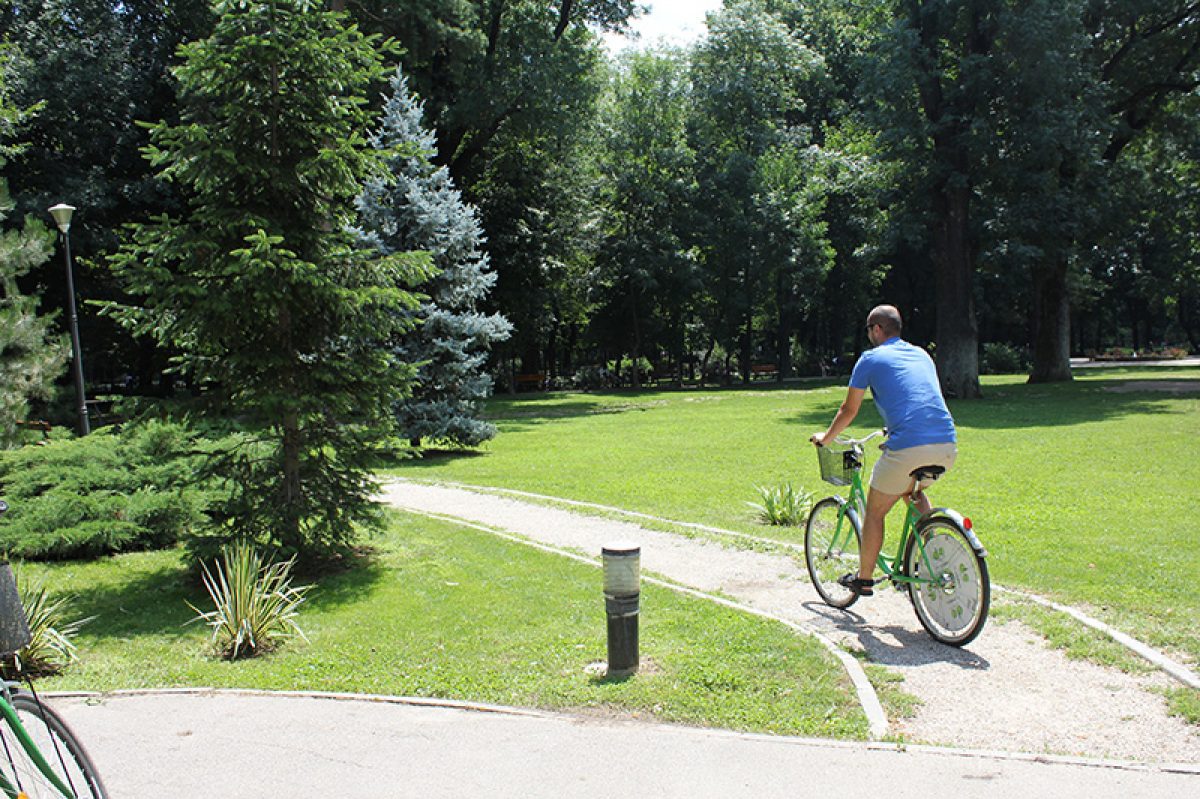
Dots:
(62, 216)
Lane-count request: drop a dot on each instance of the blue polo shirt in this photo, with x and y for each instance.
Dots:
(904, 384)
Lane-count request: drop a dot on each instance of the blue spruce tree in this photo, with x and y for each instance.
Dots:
(418, 208)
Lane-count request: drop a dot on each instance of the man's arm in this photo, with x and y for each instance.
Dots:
(845, 415)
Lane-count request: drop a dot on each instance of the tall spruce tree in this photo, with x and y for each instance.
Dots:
(30, 356)
(417, 208)
(260, 286)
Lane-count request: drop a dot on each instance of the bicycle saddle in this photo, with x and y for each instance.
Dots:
(927, 472)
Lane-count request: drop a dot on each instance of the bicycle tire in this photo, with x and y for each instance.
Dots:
(57, 744)
(827, 559)
(954, 607)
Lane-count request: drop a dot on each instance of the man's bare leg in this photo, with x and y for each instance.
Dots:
(878, 505)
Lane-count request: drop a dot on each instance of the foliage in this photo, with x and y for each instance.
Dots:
(31, 357)
(716, 206)
(510, 88)
(50, 648)
(1002, 359)
(591, 376)
(645, 280)
(256, 604)
(783, 505)
(108, 492)
(85, 143)
(417, 208)
(276, 314)
(752, 137)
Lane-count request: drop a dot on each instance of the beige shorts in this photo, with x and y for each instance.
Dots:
(893, 471)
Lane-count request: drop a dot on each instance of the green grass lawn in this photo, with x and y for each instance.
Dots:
(1079, 492)
(451, 612)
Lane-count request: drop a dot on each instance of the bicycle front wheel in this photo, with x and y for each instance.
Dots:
(831, 543)
(68, 763)
(952, 592)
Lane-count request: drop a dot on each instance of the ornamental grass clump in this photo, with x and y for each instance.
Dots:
(50, 649)
(255, 603)
(783, 505)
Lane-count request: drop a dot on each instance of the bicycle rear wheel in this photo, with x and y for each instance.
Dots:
(954, 592)
(58, 746)
(831, 543)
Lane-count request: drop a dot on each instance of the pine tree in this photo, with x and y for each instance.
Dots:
(260, 285)
(417, 208)
(30, 356)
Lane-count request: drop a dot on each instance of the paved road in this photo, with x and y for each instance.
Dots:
(235, 745)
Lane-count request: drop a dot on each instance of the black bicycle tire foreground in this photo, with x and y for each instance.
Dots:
(953, 608)
(58, 745)
(824, 566)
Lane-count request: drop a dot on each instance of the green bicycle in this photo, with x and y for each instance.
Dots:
(938, 559)
(40, 757)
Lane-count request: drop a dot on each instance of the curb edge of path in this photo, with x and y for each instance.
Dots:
(484, 708)
(1172, 668)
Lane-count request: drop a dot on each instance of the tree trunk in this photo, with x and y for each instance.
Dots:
(783, 340)
(1051, 324)
(292, 488)
(953, 248)
(636, 354)
(957, 330)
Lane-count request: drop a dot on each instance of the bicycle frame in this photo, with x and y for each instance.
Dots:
(10, 718)
(892, 566)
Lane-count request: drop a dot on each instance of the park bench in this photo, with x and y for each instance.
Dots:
(534, 381)
(768, 370)
(37, 424)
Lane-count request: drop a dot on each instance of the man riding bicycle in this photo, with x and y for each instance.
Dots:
(904, 384)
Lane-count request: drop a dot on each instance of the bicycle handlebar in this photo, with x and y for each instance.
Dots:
(860, 441)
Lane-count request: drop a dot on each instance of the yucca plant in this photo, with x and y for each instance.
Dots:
(783, 505)
(255, 603)
(50, 649)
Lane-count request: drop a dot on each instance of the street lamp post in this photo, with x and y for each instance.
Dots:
(62, 217)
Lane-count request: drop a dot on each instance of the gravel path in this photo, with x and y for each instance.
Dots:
(1006, 690)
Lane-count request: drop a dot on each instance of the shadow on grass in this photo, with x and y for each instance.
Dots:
(516, 413)
(156, 602)
(435, 458)
(153, 602)
(1025, 406)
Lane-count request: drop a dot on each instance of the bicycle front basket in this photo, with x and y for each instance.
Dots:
(838, 465)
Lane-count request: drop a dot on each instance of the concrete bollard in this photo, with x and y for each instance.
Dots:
(622, 599)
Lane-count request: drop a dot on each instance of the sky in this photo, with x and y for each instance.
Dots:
(679, 22)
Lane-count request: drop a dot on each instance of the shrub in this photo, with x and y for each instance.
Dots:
(622, 371)
(592, 377)
(50, 649)
(255, 604)
(107, 492)
(783, 505)
(1002, 359)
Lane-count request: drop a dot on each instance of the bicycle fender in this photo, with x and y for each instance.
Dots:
(958, 519)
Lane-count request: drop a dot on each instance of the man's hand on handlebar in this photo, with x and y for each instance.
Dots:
(818, 438)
